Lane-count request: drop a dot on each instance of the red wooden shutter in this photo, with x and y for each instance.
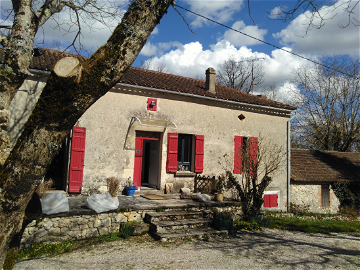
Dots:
(270, 200)
(238, 145)
(172, 152)
(199, 153)
(253, 155)
(77, 159)
(138, 161)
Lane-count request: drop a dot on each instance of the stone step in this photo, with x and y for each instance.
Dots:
(204, 233)
(166, 226)
(174, 215)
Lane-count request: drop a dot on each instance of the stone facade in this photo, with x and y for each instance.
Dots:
(310, 194)
(55, 229)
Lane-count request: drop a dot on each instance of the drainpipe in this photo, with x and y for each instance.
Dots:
(288, 150)
(288, 165)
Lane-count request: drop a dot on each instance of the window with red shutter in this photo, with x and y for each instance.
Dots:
(172, 152)
(180, 154)
(238, 146)
(199, 153)
(77, 160)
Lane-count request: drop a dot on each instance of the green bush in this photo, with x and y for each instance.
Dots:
(126, 230)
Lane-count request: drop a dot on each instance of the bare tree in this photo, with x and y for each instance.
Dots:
(151, 64)
(259, 160)
(241, 74)
(319, 11)
(62, 102)
(328, 115)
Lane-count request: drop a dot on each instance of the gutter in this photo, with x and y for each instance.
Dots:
(280, 110)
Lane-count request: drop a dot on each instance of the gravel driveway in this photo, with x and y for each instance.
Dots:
(268, 249)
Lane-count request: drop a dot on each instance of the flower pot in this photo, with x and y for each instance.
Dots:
(259, 216)
(130, 191)
(219, 197)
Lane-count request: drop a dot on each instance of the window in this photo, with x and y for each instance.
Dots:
(325, 196)
(185, 152)
(245, 154)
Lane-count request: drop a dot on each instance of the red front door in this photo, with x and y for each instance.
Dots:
(139, 149)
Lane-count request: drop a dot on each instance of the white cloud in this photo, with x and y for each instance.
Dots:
(191, 60)
(221, 11)
(330, 39)
(276, 12)
(149, 49)
(241, 40)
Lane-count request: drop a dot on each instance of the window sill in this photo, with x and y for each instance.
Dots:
(185, 174)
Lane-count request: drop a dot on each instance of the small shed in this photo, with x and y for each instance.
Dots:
(312, 173)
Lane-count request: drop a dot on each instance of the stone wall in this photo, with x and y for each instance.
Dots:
(310, 194)
(55, 229)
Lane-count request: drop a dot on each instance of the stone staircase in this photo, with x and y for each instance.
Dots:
(165, 226)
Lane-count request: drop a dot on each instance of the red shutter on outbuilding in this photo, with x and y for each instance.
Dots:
(77, 160)
(253, 154)
(238, 145)
(172, 151)
(199, 153)
(270, 200)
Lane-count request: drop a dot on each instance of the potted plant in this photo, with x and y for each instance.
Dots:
(112, 186)
(130, 188)
(223, 220)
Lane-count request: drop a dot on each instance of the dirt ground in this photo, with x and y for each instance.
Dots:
(268, 249)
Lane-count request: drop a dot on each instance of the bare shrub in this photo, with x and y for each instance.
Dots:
(112, 185)
(299, 209)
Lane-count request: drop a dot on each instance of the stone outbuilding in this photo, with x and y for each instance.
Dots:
(312, 173)
(156, 129)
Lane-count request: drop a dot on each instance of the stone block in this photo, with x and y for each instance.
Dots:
(64, 222)
(103, 231)
(82, 221)
(40, 233)
(64, 231)
(107, 222)
(84, 227)
(92, 233)
(97, 223)
(120, 218)
(103, 216)
(54, 231)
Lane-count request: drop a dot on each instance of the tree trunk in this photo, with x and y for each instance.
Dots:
(61, 103)
(14, 70)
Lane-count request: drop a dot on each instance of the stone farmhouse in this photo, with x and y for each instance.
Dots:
(156, 129)
(312, 172)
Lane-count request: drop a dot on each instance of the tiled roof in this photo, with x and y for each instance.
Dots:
(324, 166)
(158, 80)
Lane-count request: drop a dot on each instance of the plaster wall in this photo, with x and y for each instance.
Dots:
(107, 123)
(310, 194)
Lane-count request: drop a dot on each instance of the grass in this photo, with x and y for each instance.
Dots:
(310, 225)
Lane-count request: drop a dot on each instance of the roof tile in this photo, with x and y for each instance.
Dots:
(324, 166)
(158, 80)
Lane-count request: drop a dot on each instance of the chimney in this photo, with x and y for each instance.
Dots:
(210, 80)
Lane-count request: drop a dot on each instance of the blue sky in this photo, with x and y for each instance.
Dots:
(189, 54)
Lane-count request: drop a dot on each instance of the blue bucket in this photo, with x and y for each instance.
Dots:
(130, 191)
